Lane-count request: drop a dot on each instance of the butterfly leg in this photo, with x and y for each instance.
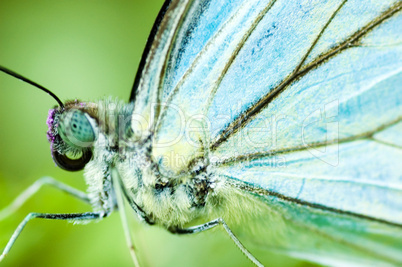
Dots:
(30, 191)
(120, 203)
(51, 216)
(210, 225)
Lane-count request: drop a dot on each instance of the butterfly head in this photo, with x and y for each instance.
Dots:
(72, 133)
(72, 128)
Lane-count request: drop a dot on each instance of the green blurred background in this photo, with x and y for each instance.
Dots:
(85, 50)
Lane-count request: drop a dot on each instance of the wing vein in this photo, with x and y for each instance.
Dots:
(266, 192)
(229, 63)
(318, 37)
(243, 119)
(386, 143)
(251, 156)
(202, 52)
(309, 228)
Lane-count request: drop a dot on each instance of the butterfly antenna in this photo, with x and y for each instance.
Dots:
(22, 78)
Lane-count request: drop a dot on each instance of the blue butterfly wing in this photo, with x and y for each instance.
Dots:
(298, 103)
(181, 32)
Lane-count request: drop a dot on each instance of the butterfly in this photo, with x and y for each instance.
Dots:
(280, 118)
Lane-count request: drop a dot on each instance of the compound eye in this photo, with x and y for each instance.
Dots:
(81, 127)
(72, 165)
(76, 130)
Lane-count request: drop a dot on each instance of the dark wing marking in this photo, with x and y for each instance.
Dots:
(147, 48)
(147, 86)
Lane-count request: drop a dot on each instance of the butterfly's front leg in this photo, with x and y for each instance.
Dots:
(34, 188)
(25, 195)
(51, 216)
(210, 225)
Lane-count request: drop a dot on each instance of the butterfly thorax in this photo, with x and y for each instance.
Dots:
(166, 198)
